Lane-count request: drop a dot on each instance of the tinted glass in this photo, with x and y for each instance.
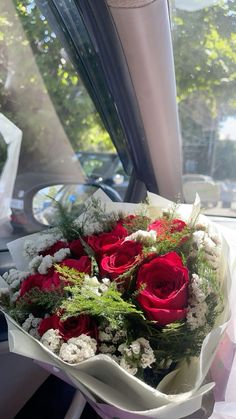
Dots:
(51, 119)
(204, 40)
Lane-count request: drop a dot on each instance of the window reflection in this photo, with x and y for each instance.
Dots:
(44, 97)
(205, 62)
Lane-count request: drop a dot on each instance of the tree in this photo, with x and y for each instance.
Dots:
(41, 92)
(225, 167)
(205, 61)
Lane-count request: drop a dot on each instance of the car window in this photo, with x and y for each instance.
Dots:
(53, 120)
(204, 44)
(96, 164)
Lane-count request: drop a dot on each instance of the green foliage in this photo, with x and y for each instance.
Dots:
(140, 222)
(70, 275)
(173, 342)
(225, 158)
(5, 302)
(108, 306)
(52, 81)
(206, 81)
(38, 302)
(95, 213)
(67, 224)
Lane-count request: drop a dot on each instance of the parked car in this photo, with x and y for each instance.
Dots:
(227, 193)
(205, 186)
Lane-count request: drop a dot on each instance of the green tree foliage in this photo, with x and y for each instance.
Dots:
(31, 84)
(205, 61)
(225, 160)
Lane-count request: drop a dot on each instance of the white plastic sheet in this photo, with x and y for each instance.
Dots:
(12, 136)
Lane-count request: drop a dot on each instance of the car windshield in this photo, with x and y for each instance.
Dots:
(50, 131)
(204, 44)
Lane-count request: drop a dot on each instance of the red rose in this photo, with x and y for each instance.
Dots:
(52, 279)
(54, 248)
(177, 225)
(43, 282)
(122, 259)
(76, 248)
(105, 242)
(76, 326)
(166, 280)
(51, 322)
(83, 264)
(164, 226)
(71, 327)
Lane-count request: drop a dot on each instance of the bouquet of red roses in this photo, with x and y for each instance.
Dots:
(139, 291)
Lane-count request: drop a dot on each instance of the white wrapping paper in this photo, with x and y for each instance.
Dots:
(100, 378)
(12, 136)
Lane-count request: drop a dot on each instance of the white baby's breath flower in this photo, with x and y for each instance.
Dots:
(105, 285)
(34, 332)
(30, 249)
(61, 254)
(27, 323)
(121, 348)
(106, 281)
(196, 315)
(107, 349)
(103, 288)
(196, 293)
(31, 324)
(35, 322)
(105, 337)
(15, 284)
(138, 354)
(35, 263)
(14, 296)
(15, 277)
(127, 367)
(42, 242)
(90, 284)
(78, 349)
(91, 281)
(135, 347)
(147, 360)
(45, 265)
(211, 246)
(85, 338)
(143, 236)
(52, 340)
(119, 335)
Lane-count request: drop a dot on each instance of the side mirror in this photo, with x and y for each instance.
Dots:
(70, 196)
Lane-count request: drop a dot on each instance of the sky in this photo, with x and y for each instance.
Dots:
(228, 129)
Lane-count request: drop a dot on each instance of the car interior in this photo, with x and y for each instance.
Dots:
(146, 88)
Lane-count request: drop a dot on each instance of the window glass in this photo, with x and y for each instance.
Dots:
(204, 41)
(43, 96)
